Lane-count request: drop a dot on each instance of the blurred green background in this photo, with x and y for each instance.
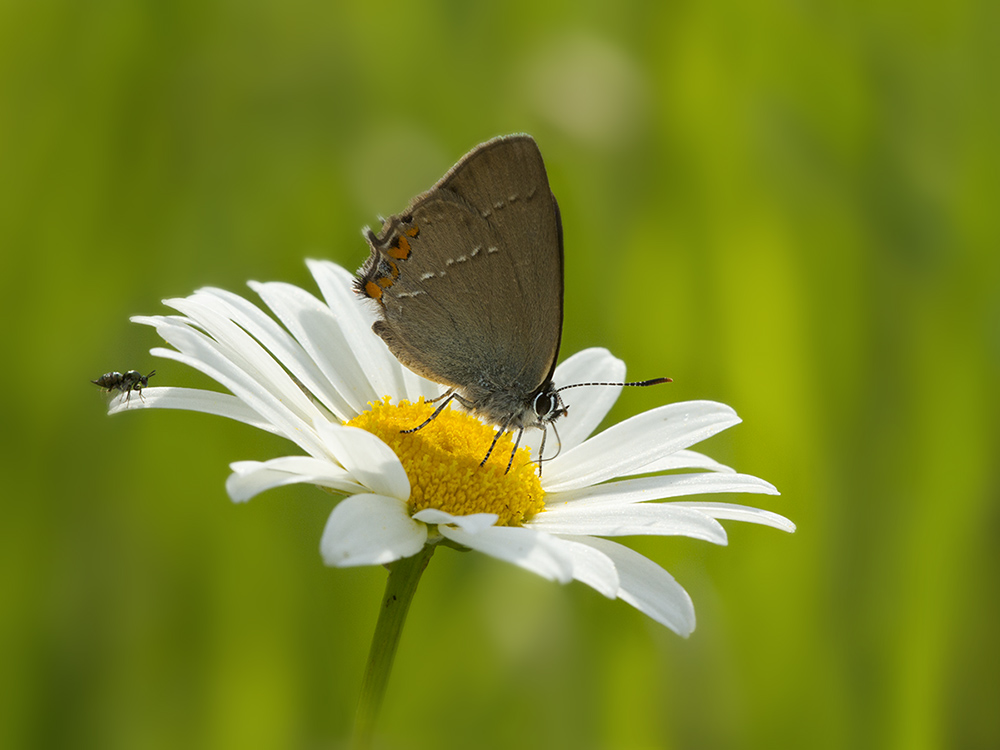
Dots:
(790, 207)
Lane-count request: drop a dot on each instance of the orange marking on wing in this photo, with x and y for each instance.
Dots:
(402, 251)
(373, 290)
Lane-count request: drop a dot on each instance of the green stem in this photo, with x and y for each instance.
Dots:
(404, 575)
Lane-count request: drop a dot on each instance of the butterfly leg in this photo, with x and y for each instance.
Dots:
(450, 395)
(501, 431)
(517, 443)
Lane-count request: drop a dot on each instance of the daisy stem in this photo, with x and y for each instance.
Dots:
(404, 575)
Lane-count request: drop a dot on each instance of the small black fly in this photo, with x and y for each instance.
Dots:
(124, 382)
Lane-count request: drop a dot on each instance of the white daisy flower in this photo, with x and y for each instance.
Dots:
(327, 383)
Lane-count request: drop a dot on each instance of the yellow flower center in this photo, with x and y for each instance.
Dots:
(442, 462)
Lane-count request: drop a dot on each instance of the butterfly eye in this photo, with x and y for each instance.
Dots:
(545, 404)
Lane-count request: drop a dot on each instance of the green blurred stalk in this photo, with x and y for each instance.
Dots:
(404, 575)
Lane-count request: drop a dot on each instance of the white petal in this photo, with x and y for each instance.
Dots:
(637, 442)
(367, 459)
(595, 363)
(370, 530)
(643, 489)
(648, 587)
(192, 399)
(382, 369)
(250, 478)
(586, 406)
(532, 550)
(685, 460)
(417, 386)
(472, 523)
(250, 374)
(727, 511)
(322, 337)
(655, 519)
(284, 348)
(199, 352)
(212, 315)
(592, 567)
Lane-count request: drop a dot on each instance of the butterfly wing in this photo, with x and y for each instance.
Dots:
(470, 277)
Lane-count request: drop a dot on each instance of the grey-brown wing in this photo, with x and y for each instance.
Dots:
(479, 297)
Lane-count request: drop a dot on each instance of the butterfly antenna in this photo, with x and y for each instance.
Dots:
(637, 383)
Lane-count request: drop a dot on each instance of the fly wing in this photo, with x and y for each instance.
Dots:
(470, 277)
